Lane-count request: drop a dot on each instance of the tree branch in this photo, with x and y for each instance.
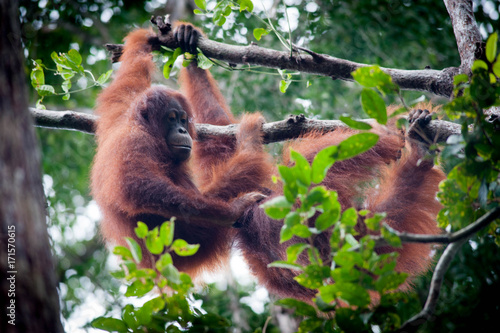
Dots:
(469, 41)
(66, 120)
(457, 239)
(415, 322)
(463, 233)
(282, 130)
(439, 82)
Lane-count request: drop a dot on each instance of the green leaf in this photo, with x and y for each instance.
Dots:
(45, 90)
(259, 32)
(153, 242)
(496, 67)
(118, 274)
(390, 281)
(123, 252)
(167, 68)
(316, 196)
(140, 288)
(201, 4)
(167, 232)
(66, 86)
(373, 76)
(145, 312)
(373, 223)
(39, 104)
(352, 293)
(284, 84)
(374, 105)
(301, 230)
(313, 276)
(135, 249)
(165, 259)
(104, 77)
(346, 274)
(479, 64)
(142, 230)
(293, 251)
(277, 208)
(292, 219)
(302, 168)
(355, 145)
(356, 124)
(109, 324)
(460, 78)
(183, 249)
(348, 259)
(37, 77)
(349, 217)
(171, 274)
(204, 62)
(323, 160)
(198, 12)
(129, 317)
(491, 47)
(328, 218)
(246, 4)
(74, 56)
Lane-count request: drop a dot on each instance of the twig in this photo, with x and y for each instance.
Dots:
(459, 235)
(282, 130)
(415, 322)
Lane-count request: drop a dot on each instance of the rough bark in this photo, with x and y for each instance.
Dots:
(291, 128)
(466, 31)
(28, 284)
(439, 82)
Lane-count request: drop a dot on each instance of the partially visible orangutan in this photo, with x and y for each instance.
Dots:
(406, 191)
(141, 170)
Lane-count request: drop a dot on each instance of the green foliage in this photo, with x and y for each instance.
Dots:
(372, 103)
(168, 311)
(354, 269)
(69, 68)
(472, 187)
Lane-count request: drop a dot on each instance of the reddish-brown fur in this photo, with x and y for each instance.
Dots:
(135, 177)
(406, 190)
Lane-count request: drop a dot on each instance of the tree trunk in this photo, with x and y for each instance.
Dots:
(29, 301)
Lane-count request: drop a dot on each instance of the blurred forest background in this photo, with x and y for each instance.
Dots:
(399, 33)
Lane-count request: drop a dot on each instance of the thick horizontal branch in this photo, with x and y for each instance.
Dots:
(439, 82)
(65, 120)
(282, 130)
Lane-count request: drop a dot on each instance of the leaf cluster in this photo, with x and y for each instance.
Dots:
(353, 273)
(473, 184)
(69, 68)
(170, 310)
